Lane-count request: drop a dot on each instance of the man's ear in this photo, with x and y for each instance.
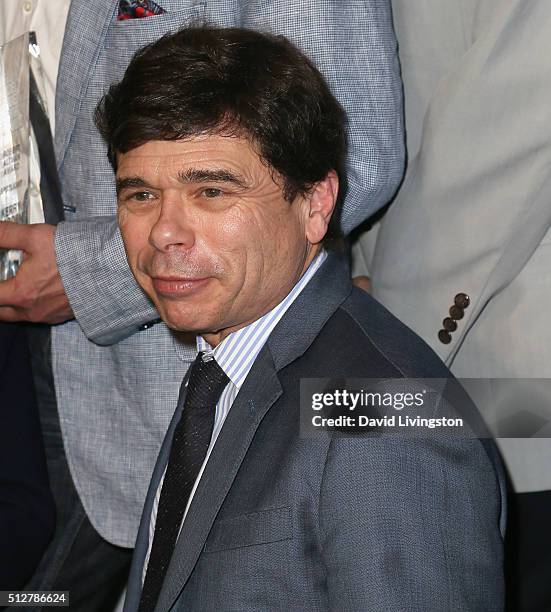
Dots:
(321, 203)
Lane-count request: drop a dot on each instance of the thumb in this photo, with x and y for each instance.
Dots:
(14, 235)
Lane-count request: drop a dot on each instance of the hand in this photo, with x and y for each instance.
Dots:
(36, 293)
(363, 282)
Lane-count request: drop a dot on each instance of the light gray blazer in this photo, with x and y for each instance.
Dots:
(285, 522)
(474, 212)
(117, 386)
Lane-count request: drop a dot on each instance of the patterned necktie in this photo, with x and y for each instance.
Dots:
(189, 447)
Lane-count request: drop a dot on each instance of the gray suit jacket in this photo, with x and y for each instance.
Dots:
(284, 522)
(474, 212)
(117, 387)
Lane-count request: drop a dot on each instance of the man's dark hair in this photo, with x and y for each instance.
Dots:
(234, 82)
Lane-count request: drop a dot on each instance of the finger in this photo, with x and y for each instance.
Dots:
(363, 282)
(10, 315)
(8, 292)
(14, 235)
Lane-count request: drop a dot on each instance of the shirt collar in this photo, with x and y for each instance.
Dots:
(238, 351)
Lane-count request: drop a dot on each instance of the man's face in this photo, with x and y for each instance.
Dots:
(208, 233)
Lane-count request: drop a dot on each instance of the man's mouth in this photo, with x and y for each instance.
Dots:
(175, 287)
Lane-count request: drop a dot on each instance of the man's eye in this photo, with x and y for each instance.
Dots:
(142, 196)
(212, 192)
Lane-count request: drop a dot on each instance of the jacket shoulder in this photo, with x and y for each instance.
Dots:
(373, 324)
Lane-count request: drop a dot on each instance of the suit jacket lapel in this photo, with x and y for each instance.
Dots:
(78, 56)
(134, 588)
(296, 331)
(260, 390)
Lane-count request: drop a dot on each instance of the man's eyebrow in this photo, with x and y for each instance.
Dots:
(194, 175)
(130, 181)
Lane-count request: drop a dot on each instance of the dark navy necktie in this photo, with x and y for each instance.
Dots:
(190, 443)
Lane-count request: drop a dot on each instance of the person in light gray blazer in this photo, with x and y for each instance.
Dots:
(117, 372)
(473, 218)
(227, 177)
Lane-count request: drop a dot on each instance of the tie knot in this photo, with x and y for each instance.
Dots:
(206, 382)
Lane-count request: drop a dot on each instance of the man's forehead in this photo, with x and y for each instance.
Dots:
(198, 148)
(193, 158)
(201, 159)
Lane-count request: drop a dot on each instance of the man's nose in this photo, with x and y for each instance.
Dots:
(174, 227)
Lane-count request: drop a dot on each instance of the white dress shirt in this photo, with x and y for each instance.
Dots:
(47, 18)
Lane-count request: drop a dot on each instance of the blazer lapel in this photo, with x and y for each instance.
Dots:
(134, 589)
(302, 323)
(78, 56)
(259, 392)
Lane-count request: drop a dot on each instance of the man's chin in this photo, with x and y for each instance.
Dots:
(181, 321)
(180, 325)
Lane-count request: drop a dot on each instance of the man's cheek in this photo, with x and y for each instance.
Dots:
(137, 251)
(134, 229)
(122, 216)
(128, 231)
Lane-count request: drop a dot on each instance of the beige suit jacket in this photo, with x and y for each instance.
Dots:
(474, 211)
